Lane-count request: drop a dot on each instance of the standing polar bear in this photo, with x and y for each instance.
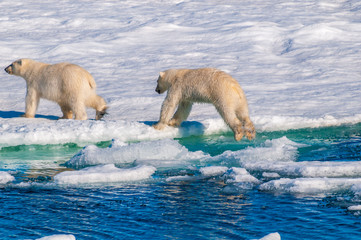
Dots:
(69, 85)
(207, 85)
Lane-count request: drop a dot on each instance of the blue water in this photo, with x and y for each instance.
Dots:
(157, 209)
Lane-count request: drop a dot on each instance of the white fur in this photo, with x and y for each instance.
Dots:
(207, 85)
(69, 85)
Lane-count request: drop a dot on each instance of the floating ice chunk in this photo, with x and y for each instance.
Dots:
(58, 237)
(270, 175)
(272, 236)
(281, 149)
(104, 174)
(310, 185)
(205, 173)
(181, 178)
(5, 178)
(356, 188)
(160, 153)
(276, 150)
(354, 208)
(213, 171)
(241, 178)
(308, 169)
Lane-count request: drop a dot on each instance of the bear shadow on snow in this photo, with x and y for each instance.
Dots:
(15, 114)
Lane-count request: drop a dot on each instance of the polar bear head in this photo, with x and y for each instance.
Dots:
(17, 68)
(166, 80)
(162, 83)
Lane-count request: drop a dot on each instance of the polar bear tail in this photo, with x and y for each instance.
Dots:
(91, 82)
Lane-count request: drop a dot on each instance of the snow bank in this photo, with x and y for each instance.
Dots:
(40, 131)
(104, 174)
(20, 131)
(5, 178)
(159, 153)
(284, 123)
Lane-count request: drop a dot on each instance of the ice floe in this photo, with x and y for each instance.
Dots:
(271, 166)
(6, 177)
(213, 171)
(241, 176)
(58, 237)
(158, 153)
(21, 131)
(308, 168)
(104, 174)
(275, 150)
(310, 185)
(272, 236)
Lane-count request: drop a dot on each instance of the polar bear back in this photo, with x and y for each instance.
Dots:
(61, 81)
(205, 84)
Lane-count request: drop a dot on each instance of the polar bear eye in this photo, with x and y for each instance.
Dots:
(19, 62)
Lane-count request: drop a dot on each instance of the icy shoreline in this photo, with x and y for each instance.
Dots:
(22, 131)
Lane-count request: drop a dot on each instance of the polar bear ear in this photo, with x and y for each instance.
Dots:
(161, 74)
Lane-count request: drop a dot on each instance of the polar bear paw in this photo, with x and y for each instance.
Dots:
(159, 126)
(250, 133)
(174, 123)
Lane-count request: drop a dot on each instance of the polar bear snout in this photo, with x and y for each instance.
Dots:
(9, 69)
(157, 90)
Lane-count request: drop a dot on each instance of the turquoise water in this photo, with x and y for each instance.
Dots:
(204, 208)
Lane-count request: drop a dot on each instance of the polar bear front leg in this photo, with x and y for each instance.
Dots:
(168, 108)
(31, 103)
(181, 114)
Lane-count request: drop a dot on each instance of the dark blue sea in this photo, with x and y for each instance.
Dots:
(196, 207)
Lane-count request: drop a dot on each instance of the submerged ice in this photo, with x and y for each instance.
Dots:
(159, 153)
(270, 166)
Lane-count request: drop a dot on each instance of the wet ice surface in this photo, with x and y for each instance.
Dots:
(298, 63)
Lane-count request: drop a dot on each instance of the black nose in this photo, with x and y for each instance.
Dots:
(8, 69)
(157, 90)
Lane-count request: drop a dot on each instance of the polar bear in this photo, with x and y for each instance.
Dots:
(205, 85)
(69, 85)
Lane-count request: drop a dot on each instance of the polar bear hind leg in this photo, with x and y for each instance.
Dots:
(67, 112)
(248, 128)
(229, 116)
(79, 110)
